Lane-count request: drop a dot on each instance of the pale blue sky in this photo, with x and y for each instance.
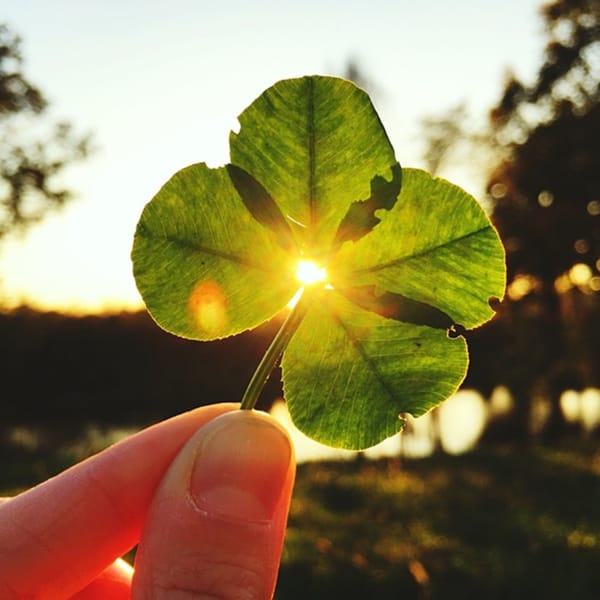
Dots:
(160, 85)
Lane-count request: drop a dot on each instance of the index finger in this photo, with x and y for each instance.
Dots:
(58, 536)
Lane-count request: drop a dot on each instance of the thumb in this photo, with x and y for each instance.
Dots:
(216, 524)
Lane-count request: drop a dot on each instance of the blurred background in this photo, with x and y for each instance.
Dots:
(497, 493)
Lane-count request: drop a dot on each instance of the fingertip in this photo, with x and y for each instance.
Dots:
(240, 468)
(217, 522)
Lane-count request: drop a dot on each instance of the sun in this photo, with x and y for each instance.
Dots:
(309, 272)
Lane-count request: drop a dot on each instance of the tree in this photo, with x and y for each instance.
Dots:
(547, 190)
(30, 159)
(441, 134)
(546, 205)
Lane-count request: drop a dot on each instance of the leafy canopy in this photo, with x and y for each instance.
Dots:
(30, 167)
(409, 260)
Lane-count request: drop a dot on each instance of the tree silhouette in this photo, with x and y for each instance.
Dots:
(546, 205)
(441, 134)
(29, 160)
(547, 191)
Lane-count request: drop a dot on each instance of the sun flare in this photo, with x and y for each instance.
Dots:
(309, 272)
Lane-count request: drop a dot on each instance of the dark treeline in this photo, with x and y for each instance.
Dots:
(58, 370)
(536, 353)
(545, 195)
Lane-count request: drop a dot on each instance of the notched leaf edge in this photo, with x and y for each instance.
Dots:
(360, 218)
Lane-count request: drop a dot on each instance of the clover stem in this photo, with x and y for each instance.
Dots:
(274, 351)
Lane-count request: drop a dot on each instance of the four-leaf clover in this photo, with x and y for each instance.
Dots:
(401, 261)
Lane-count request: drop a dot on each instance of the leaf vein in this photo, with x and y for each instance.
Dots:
(371, 365)
(311, 155)
(403, 259)
(218, 253)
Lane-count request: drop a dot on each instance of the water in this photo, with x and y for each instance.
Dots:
(582, 408)
(456, 425)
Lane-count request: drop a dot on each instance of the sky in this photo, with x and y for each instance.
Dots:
(160, 85)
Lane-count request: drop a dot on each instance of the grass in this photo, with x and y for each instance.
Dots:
(495, 523)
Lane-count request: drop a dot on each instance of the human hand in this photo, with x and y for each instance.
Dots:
(206, 494)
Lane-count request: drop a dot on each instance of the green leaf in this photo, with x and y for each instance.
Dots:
(349, 374)
(315, 144)
(436, 246)
(204, 266)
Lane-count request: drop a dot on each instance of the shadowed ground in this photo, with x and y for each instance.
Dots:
(496, 523)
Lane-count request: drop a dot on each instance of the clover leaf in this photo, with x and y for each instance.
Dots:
(403, 262)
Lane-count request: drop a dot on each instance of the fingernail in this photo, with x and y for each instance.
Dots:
(241, 467)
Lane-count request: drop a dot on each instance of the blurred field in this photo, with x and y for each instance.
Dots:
(495, 523)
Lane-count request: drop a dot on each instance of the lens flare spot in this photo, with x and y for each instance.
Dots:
(580, 274)
(309, 272)
(208, 307)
